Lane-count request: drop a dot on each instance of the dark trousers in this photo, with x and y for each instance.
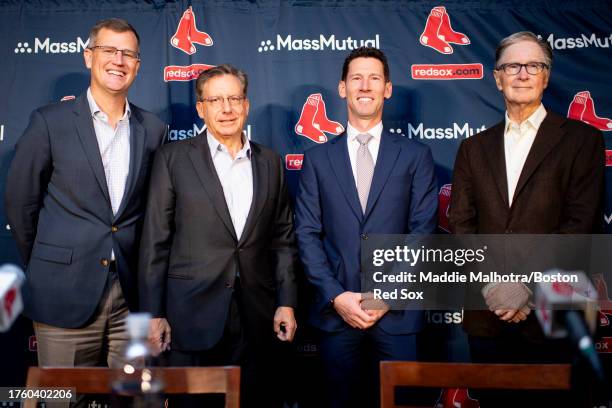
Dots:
(350, 360)
(258, 364)
(511, 347)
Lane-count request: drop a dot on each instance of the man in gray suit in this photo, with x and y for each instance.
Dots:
(74, 200)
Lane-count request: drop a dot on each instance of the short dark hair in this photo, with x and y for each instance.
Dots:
(524, 36)
(219, 70)
(117, 25)
(366, 52)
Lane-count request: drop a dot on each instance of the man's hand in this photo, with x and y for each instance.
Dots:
(508, 296)
(159, 335)
(375, 308)
(285, 318)
(513, 315)
(348, 306)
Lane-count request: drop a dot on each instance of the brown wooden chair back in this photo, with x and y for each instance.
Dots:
(465, 375)
(177, 380)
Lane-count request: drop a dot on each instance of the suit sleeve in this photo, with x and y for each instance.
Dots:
(283, 246)
(423, 197)
(462, 211)
(26, 183)
(309, 231)
(156, 241)
(583, 207)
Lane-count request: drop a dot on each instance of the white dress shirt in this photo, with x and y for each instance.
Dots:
(114, 145)
(518, 139)
(353, 145)
(236, 176)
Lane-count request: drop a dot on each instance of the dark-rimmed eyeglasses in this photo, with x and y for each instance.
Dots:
(219, 101)
(110, 52)
(513, 68)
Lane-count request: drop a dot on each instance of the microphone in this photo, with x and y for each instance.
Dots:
(566, 308)
(11, 304)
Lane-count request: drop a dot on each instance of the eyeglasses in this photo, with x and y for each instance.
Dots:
(532, 68)
(110, 52)
(219, 101)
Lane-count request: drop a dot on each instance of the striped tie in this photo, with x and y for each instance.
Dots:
(365, 169)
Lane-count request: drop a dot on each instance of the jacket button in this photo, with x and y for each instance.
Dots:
(114, 228)
(364, 236)
(105, 262)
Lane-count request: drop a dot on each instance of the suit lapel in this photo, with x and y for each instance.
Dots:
(387, 155)
(341, 166)
(87, 135)
(548, 136)
(137, 145)
(260, 190)
(201, 159)
(495, 151)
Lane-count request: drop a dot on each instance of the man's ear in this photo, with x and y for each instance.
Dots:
(342, 89)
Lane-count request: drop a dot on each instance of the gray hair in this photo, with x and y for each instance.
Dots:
(224, 69)
(117, 25)
(524, 36)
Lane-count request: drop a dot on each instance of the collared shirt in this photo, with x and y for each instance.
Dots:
(353, 145)
(518, 139)
(236, 176)
(114, 145)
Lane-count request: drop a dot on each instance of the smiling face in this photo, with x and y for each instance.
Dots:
(365, 90)
(112, 75)
(225, 121)
(523, 91)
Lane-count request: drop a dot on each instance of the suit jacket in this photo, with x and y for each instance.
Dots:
(58, 206)
(559, 191)
(330, 223)
(190, 254)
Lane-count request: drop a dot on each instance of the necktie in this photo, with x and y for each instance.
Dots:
(365, 169)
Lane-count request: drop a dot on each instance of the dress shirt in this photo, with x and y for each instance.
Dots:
(236, 176)
(114, 145)
(518, 139)
(353, 145)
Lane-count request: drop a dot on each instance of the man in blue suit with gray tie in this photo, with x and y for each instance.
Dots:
(366, 181)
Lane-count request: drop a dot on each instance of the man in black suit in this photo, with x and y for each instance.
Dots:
(533, 173)
(74, 200)
(218, 250)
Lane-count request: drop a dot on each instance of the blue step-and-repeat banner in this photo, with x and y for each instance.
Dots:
(443, 90)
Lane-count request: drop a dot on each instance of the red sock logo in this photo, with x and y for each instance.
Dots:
(583, 108)
(438, 32)
(313, 120)
(456, 398)
(187, 34)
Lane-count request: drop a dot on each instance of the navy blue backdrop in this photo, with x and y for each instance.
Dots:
(293, 51)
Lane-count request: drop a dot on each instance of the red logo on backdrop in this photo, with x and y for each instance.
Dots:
(294, 161)
(583, 108)
(9, 299)
(447, 71)
(68, 98)
(313, 120)
(608, 158)
(187, 34)
(188, 73)
(604, 320)
(562, 288)
(444, 197)
(438, 33)
(32, 343)
(456, 398)
(604, 345)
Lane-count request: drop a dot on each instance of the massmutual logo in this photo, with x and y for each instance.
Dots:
(323, 42)
(583, 41)
(455, 131)
(48, 46)
(182, 134)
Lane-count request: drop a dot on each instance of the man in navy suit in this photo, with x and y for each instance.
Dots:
(366, 181)
(75, 200)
